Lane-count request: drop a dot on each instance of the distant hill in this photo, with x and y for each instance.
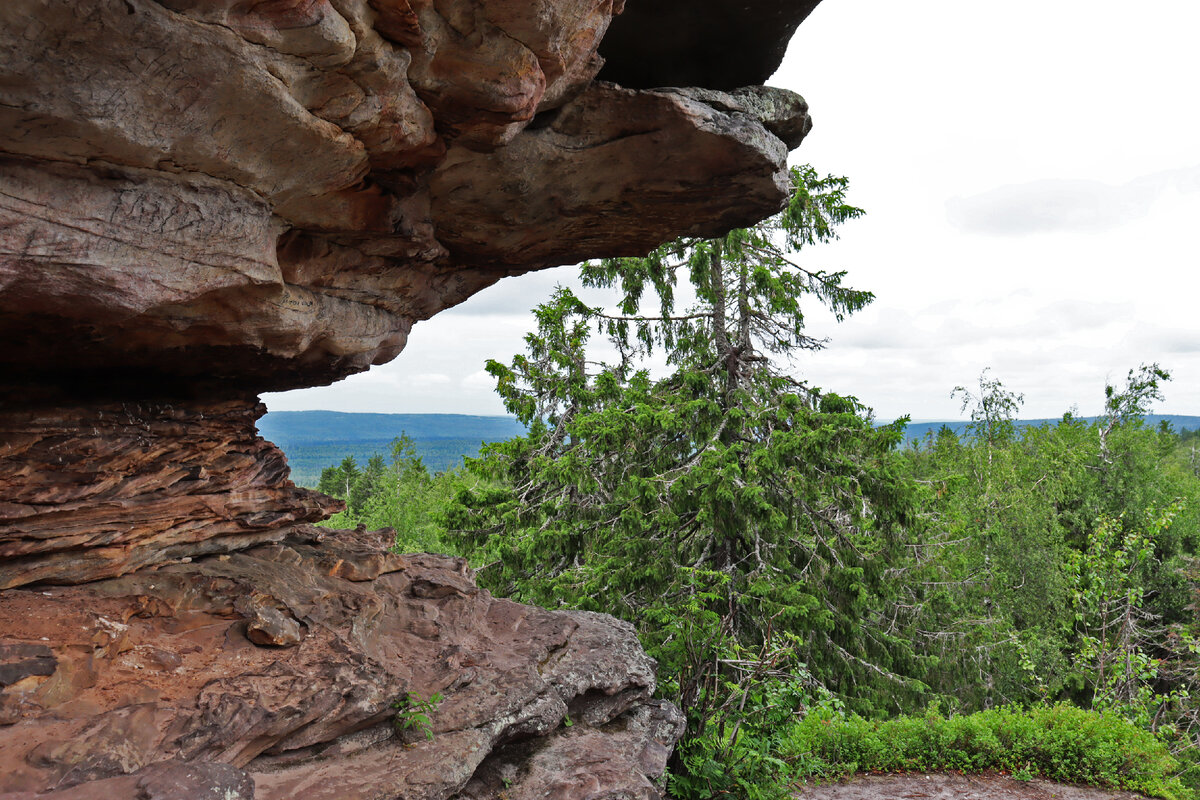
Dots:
(313, 440)
(919, 430)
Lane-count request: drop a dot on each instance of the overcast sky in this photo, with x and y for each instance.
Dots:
(1031, 175)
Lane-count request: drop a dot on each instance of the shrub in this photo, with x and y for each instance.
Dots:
(1059, 742)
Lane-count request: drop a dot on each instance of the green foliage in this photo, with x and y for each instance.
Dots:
(1053, 562)
(737, 752)
(993, 410)
(338, 481)
(727, 509)
(779, 553)
(1109, 598)
(1042, 572)
(412, 715)
(308, 459)
(786, 562)
(401, 495)
(1056, 564)
(1059, 742)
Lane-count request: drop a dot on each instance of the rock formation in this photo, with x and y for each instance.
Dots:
(267, 195)
(201, 200)
(293, 661)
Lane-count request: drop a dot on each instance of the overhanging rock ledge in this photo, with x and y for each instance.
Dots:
(202, 200)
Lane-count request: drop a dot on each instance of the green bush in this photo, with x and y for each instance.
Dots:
(1060, 742)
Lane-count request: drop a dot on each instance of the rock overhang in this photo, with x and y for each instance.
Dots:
(204, 199)
(714, 45)
(199, 194)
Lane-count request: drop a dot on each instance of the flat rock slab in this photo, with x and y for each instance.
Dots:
(946, 786)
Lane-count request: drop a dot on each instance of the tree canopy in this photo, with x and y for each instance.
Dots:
(790, 564)
(727, 508)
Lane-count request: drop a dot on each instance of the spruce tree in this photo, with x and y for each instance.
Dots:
(729, 509)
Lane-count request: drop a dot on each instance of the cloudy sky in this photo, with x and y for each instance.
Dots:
(1031, 173)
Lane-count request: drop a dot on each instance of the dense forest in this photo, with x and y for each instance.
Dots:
(820, 598)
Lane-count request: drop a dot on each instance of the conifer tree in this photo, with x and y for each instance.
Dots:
(728, 508)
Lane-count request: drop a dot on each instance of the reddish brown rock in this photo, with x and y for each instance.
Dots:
(168, 780)
(615, 172)
(201, 200)
(204, 193)
(633, 748)
(96, 491)
(954, 786)
(486, 68)
(160, 670)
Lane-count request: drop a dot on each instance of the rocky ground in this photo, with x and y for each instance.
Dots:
(298, 668)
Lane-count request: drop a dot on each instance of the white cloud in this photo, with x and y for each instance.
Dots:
(1066, 134)
(1049, 206)
(479, 380)
(429, 380)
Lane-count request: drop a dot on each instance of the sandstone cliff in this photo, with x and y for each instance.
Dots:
(201, 200)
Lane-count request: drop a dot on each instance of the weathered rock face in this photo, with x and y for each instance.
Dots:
(289, 664)
(269, 194)
(201, 200)
(97, 491)
(204, 199)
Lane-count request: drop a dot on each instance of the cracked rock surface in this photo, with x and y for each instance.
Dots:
(95, 491)
(129, 682)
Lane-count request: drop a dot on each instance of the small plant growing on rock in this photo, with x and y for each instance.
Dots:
(412, 715)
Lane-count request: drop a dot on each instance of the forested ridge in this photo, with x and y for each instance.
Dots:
(820, 600)
(313, 440)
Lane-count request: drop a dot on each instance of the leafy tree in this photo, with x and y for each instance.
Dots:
(986, 569)
(338, 481)
(1116, 624)
(723, 507)
(399, 494)
(1141, 388)
(1055, 562)
(993, 410)
(366, 484)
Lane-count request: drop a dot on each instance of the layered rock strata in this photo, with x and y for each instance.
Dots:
(294, 665)
(206, 199)
(269, 194)
(201, 200)
(96, 491)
